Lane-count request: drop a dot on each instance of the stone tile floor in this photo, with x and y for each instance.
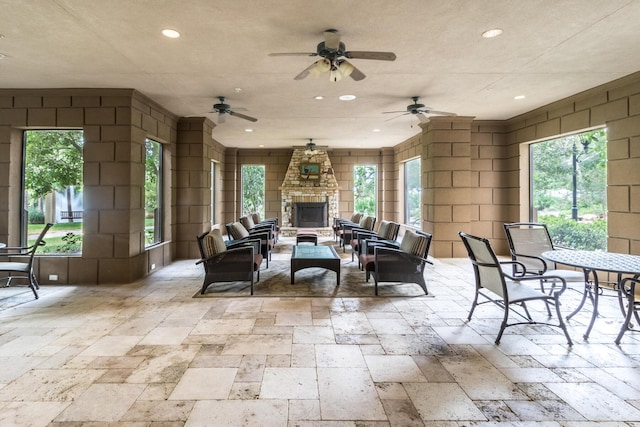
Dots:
(147, 353)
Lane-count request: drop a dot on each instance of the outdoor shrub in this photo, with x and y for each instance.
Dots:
(36, 217)
(577, 235)
(70, 243)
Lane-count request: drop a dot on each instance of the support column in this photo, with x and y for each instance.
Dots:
(446, 181)
(193, 184)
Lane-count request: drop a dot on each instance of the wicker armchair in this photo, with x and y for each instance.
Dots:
(236, 232)
(248, 223)
(224, 262)
(404, 262)
(388, 231)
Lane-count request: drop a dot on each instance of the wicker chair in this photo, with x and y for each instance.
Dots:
(251, 226)
(504, 290)
(346, 229)
(392, 262)
(388, 231)
(224, 262)
(236, 232)
(337, 222)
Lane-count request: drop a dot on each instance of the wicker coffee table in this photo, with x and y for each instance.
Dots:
(314, 256)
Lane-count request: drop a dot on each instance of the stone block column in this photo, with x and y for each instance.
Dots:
(193, 184)
(446, 182)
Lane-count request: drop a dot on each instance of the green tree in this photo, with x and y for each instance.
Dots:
(552, 163)
(364, 188)
(53, 162)
(413, 193)
(253, 182)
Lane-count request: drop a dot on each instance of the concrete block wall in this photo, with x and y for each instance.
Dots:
(116, 123)
(615, 105)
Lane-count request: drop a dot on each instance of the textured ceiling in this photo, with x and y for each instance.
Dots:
(549, 50)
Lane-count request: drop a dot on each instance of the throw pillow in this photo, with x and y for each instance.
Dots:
(213, 243)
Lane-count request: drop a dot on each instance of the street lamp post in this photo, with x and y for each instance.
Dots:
(585, 148)
(574, 205)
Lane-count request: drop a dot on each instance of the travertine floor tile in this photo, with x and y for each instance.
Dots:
(149, 353)
(204, 384)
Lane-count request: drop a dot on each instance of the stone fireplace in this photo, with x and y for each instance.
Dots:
(309, 193)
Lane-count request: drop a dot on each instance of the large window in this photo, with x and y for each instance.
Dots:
(365, 178)
(569, 188)
(52, 186)
(412, 193)
(253, 183)
(153, 193)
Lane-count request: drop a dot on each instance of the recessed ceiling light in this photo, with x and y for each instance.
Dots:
(494, 32)
(172, 34)
(237, 89)
(319, 97)
(248, 130)
(347, 97)
(376, 130)
(2, 56)
(519, 97)
(261, 145)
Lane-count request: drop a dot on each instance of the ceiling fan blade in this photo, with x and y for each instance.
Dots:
(422, 118)
(393, 118)
(440, 113)
(304, 73)
(332, 39)
(355, 74)
(293, 54)
(242, 116)
(221, 117)
(380, 56)
(393, 112)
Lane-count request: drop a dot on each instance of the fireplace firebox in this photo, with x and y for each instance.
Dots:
(310, 214)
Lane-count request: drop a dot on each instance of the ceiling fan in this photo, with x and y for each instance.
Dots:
(223, 109)
(419, 110)
(332, 51)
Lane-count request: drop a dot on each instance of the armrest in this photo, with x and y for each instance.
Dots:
(400, 255)
(219, 257)
(255, 243)
(263, 233)
(368, 245)
(533, 258)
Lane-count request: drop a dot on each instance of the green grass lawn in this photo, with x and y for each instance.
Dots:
(56, 238)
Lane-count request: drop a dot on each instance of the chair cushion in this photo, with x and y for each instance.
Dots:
(388, 230)
(248, 222)
(366, 222)
(238, 231)
(356, 217)
(255, 217)
(213, 243)
(413, 243)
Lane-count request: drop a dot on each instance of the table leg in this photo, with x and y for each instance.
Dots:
(596, 292)
(585, 294)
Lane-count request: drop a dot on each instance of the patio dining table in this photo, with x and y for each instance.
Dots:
(592, 262)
